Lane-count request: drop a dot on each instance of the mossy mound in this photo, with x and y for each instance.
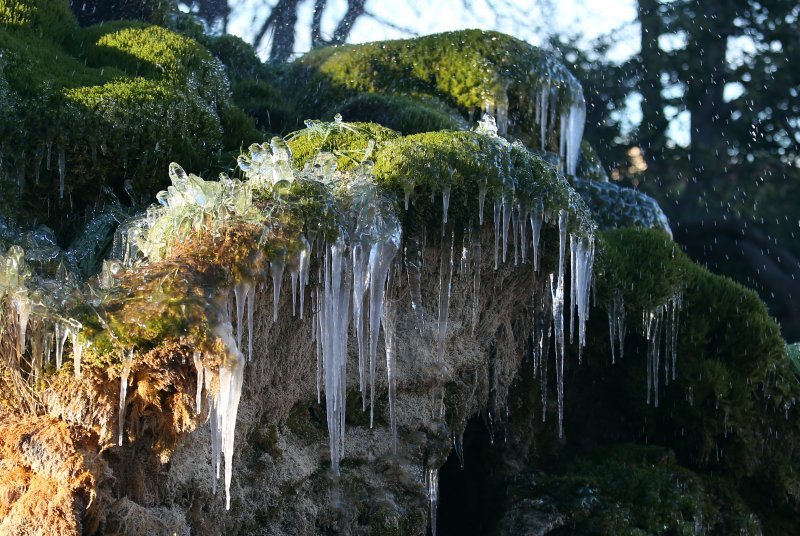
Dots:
(631, 489)
(253, 84)
(110, 108)
(90, 12)
(407, 115)
(727, 405)
(468, 70)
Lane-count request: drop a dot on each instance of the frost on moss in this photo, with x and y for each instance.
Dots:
(469, 165)
(614, 206)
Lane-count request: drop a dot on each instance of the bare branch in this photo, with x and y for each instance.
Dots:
(316, 24)
(282, 20)
(389, 24)
(355, 8)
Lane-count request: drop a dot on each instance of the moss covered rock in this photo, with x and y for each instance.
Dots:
(51, 19)
(468, 70)
(108, 108)
(632, 490)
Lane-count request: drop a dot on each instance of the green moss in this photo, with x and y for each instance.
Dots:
(153, 52)
(267, 105)
(464, 69)
(735, 392)
(47, 18)
(408, 115)
(637, 490)
(114, 107)
(423, 165)
(349, 142)
(645, 265)
(239, 57)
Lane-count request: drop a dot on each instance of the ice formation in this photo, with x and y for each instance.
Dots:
(40, 324)
(349, 290)
(432, 480)
(654, 321)
(123, 393)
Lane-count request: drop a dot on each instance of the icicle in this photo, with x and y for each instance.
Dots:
(522, 225)
(231, 377)
(61, 334)
(305, 264)
(388, 322)
(334, 318)
(197, 358)
(458, 446)
(251, 298)
(582, 253)
(432, 478)
(506, 222)
(477, 255)
(542, 114)
(241, 291)
(515, 232)
(380, 260)
(62, 172)
(498, 205)
(445, 202)
(557, 292)
(276, 268)
(77, 353)
(536, 231)
(572, 124)
(445, 281)
(652, 331)
(675, 306)
(616, 324)
(214, 423)
(542, 320)
(482, 187)
(315, 334)
(360, 283)
(37, 347)
(22, 306)
(123, 392)
(413, 259)
(294, 275)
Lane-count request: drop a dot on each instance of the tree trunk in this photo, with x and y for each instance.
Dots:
(652, 131)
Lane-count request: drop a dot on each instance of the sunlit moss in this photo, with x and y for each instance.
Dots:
(464, 69)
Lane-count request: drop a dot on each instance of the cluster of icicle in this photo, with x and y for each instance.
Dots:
(549, 305)
(653, 323)
(556, 98)
(43, 156)
(353, 269)
(29, 313)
